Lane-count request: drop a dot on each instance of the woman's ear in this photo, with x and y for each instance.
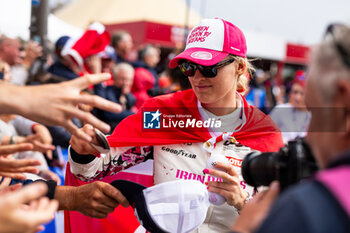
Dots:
(343, 98)
(241, 67)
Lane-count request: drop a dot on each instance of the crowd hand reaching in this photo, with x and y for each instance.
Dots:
(33, 50)
(81, 146)
(95, 200)
(49, 175)
(38, 144)
(45, 138)
(56, 104)
(17, 216)
(10, 149)
(254, 212)
(5, 186)
(10, 167)
(94, 63)
(230, 187)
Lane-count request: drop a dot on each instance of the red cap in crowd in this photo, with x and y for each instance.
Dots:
(300, 78)
(94, 40)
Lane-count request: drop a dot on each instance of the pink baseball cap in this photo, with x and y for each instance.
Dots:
(211, 41)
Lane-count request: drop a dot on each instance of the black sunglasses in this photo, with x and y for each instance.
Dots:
(345, 56)
(189, 68)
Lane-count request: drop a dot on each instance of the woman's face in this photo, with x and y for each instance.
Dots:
(219, 91)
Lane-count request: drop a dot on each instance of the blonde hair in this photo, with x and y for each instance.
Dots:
(243, 79)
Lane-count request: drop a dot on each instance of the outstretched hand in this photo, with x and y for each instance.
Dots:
(56, 104)
(256, 210)
(95, 200)
(10, 149)
(10, 167)
(17, 216)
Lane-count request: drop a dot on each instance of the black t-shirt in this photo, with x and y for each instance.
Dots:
(306, 208)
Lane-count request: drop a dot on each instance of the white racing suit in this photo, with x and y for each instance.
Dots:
(171, 162)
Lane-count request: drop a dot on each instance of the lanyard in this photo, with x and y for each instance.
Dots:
(211, 143)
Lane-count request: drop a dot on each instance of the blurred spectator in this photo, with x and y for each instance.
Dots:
(93, 64)
(10, 53)
(274, 92)
(149, 58)
(5, 71)
(62, 67)
(16, 129)
(178, 80)
(143, 81)
(77, 57)
(256, 94)
(120, 92)
(20, 58)
(10, 50)
(123, 45)
(293, 118)
(107, 61)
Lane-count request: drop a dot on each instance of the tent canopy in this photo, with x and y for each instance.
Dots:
(81, 13)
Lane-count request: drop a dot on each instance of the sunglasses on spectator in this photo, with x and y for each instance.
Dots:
(189, 68)
(345, 56)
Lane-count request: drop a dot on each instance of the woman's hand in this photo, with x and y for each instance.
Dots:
(254, 213)
(81, 146)
(230, 187)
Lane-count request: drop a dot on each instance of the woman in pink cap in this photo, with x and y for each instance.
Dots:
(181, 131)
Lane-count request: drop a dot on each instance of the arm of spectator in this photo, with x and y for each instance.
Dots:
(56, 104)
(95, 200)
(10, 149)
(49, 175)
(45, 138)
(94, 63)
(16, 216)
(5, 186)
(10, 167)
(33, 50)
(254, 212)
(35, 139)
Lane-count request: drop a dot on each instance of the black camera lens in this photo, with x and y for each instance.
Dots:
(291, 164)
(260, 168)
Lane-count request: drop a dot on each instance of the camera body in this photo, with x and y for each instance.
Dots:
(289, 165)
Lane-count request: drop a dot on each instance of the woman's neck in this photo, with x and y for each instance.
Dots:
(222, 107)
